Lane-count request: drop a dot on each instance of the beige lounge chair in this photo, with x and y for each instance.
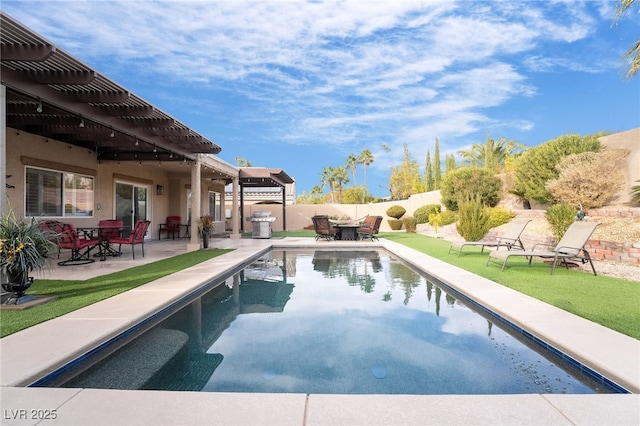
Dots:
(570, 247)
(510, 239)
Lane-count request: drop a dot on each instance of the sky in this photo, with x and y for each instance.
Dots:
(301, 85)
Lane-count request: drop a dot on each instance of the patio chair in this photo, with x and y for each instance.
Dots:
(323, 228)
(369, 227)
(172, 225)
(510, 239)
(68, 238)
(570, 247)
(136, 237)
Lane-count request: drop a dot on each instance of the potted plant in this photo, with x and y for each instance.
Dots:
(24, 247)
(205, 228)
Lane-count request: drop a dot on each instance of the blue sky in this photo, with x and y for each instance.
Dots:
(302, 85)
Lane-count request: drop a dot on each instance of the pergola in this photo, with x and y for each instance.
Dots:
(47, 92)
(260, 177)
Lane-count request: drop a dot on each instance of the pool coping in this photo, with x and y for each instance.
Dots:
(54, 343)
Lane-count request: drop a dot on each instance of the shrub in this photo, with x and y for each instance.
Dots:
(422, 213)
(396, 211)
(589, 179)
(635, 193)
(448, 217)
(467, 181)
(356, 195)
(435, 220)
(410, 223)
(536, 166)
(499, 216)
(395, 224)
(473, 222)
(560, 217)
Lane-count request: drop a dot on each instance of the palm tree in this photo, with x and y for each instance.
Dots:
(243, 162)
(340, 177)
(327, 178)
(365, 158)
(352, 162)
(632, 56)
(492, 155)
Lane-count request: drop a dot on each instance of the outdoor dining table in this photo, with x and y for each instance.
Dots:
(103, 235)
(347, 232)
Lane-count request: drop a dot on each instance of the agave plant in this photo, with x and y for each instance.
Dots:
(24, 247)
(635, 193)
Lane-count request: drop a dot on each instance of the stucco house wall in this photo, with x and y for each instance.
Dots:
(627, 140)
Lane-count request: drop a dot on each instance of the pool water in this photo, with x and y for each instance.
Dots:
(335, 322)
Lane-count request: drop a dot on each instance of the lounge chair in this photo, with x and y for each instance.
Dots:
(570, 247)
(510, 239)
(369, 228)
(323, 228)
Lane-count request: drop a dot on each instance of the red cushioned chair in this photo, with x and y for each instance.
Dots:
(136, 237)
(171, 225)
(68, 238)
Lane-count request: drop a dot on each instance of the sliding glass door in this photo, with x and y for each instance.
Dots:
(132, 203)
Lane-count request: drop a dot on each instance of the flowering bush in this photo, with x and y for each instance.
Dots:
(24, 247)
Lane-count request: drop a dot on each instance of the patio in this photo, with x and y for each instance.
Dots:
(55, 342)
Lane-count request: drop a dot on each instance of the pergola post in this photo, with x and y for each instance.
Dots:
(196, 199)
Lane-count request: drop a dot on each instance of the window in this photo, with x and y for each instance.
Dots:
(215, 205)
(58, 194)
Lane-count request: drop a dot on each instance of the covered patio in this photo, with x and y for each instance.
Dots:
(119, 156)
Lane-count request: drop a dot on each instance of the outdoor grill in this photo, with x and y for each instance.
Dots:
(261, 224)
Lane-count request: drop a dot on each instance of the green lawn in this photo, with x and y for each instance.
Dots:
(612, 302)
(75, 294)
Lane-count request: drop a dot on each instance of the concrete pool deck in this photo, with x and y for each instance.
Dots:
(34, 352)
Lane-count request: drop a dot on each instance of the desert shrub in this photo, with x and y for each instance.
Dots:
(396, 211)
(468, 181)
(589, 179)
(560, 216)
(499, 216)
(410, 223)
(395, 224)
(635, 193)
(448, 217)
(435, 220)
(473, 218)
(422, 213)
(536, 166)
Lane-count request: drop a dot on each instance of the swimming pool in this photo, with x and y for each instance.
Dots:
(359, 322)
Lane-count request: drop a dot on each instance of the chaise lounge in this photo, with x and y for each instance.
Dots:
(510, 239)
(570, 247)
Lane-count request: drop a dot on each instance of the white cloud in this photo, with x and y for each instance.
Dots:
(351, 73)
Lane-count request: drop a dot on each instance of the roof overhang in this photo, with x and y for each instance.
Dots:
(54, 95)
(263, 177)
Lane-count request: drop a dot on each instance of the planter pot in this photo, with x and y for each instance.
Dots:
(205, 240)
(18, 284)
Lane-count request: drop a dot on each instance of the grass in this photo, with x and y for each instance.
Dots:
(75, 294)
(611, 302)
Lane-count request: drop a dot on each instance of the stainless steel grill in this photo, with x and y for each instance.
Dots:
(261, 224)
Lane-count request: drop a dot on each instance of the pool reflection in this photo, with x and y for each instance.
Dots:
(349, 322)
